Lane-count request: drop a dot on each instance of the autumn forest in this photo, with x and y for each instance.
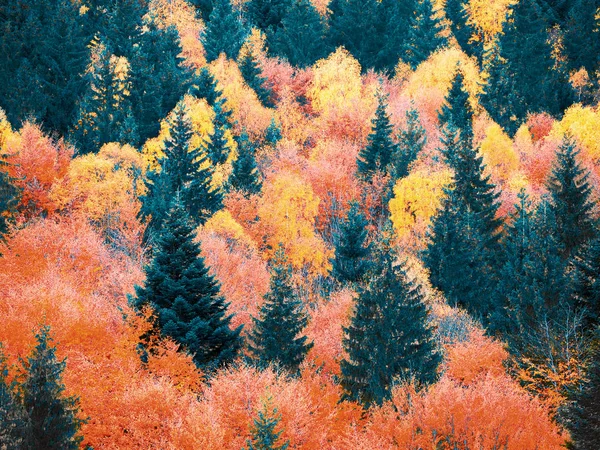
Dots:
(300, 224)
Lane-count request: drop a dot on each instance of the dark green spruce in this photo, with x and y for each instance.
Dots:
(276, 338)
(224, 31)
(263, 432)
(352, 253)
(411, 141)
(424, 34)
(389, 339)
(252, 74)
(185, 297)
(10, 196)
(245, 176)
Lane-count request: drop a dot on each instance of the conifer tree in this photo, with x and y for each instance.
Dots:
(12, 414)
(9, 198)
(377, 155)
(570, 193)
(217, 146)
(352, 253)
(393, 28)
(44, 54)
(105, 111)
(184, 172)
(457, 114)
(458, 15)
(583, 415)
(204, 86)
(159, 77)
(253, 76)
(273, 133)
(582, 36)
(586, 282)
(389, 339)
(224, 32)
(264, 436)
(353, 24)
(245, 176)
(52, 418)
(204, 8)
(267, 15)
(301, 37)
(424, 37)
(185, 297)
(276, 337)
(411, 142)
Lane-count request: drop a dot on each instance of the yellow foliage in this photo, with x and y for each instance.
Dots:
(417, 198)
(498, 153)
(248, 112)
(287, 214)
(488, 16)
(6, 131)
(181, 15)
(223, 224)
(101, 186)
(583, 124)
(436, 74)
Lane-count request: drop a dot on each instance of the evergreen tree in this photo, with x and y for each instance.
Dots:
(273, 133)
(582, 36)
(267, 15)
(185, 297)
(224, 32)
(217, 147)
(411, 142)
(253, 77)
(584, 413)
(105, 111)
(52, 418)
(205, 86)
(9, 198)
(501, 98)
(393, 27)
(586, 282)
(456, 113)
(159, 77)
(204, 8)
(458, 15)
(352, 253)
(264, 436)
(245, 176)
(570, 193)
(389, 339)
(43, 55)
(424, 37)
(377, 155)
(354, 24)
(276, 338)
(12, 414)
(301, 37)
(183, 172)
(526, 52)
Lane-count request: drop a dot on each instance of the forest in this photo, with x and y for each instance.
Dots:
(300, 224)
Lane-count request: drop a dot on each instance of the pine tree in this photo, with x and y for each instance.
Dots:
(353, 24)
(245, 176)
(457, 13)
(583, 415)
(424, 37)
(276, 337)
(205, 86)
(411, 142)
(582, 36)
(389, 339)
(43, 55)
(393, 27)
(253, 77)
(105, 111)
(377, 155)
(217, 146)
(53, 421)
(264, 436)
(570, 193)
(301, 37)
(12, 414)
(273, 133)
(224, 32)
(184, 172)
(159, 77)
(456, 113)
(185, 297)
(352, 253)
(9, 198)
(586, 282)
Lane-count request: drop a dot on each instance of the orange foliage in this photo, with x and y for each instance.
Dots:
(37, 163)
(325, 331)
